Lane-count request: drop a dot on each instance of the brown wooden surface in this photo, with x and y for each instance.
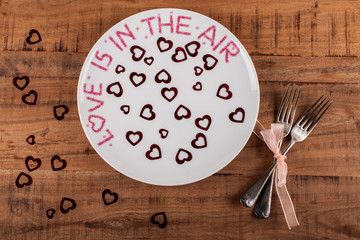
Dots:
(313, 43)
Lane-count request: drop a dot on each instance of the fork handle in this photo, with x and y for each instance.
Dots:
(263, 205)
(249, 197)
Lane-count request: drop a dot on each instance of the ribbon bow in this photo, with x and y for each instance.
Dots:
(272, 138)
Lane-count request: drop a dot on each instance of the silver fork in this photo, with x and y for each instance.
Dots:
(285, 115)
(299, 132)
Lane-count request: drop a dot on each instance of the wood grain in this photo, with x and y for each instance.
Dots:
(313, 43)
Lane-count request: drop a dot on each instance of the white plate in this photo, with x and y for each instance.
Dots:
(144, 75)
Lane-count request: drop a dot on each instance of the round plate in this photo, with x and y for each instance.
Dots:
(168, 96)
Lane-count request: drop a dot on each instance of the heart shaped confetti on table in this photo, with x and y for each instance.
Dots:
(67, 204)
(159, 219)
(21, 82)
(32, 163)
(34, 37)
(30, 98)
(163, 95)
(109, 197)
(50, 213)
(23, 179)
(30, 139)
(60, 111)
(57, 163)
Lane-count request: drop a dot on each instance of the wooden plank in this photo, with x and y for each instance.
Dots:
(327, 207)
(306, 28)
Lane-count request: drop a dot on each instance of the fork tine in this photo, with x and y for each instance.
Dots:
(287, 101)
(316, 112)
(282, 104)
(328, 103)
(308, 111)
(295, 106)
(308, 120)
(292, 108)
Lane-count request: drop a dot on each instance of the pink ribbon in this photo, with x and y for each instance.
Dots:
(272, 138)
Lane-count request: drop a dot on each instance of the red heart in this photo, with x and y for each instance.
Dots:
(163, 76)
(50, 213)
(97, 120)
(204, 122)
(137, 78)
(209, 61)
(56, 158)
(169, 93)
(64, 111)
(182, 112)
(37, 161)
(29, 38)
(114, 196)
(130, 137)
(16, 81)
(115, 88)
(179, 55)
(149, 60)
(137, 53)
(161, 224)
(183, 155)
(163, 133)
(224, 92)
(164, 45)
(150, 153)
(32, 93)
(192, 48)
(196, 142)
(28, 181)
(238, 116)
(198, 70)
(31, 140)
(125, 109)
(147, 112)
(67, 209)
(197, 86)
(119, 69)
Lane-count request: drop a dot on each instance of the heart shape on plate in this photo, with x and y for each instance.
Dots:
(32, 163)
(134, 137)
(163, 133)
(66, 201)
(163, 76)
(154, 152)
(192, 48)
(97, 122)
(204, 122)
(197, 86)
(56, 160)
(34, 37)
(59, 115)
(182, 156)
(119, 69)
(164, 45)
(21, 82)
(125, 109)
(115, 88)
(199, 141)
(149, 60)
(30, 98)
(137, 53)
(31, 140)
(50, 213)
(224, 92)
(169, 93)
(147, 112)
(182, 112)
(23, 179)
(155, 219)
(137, 78)
(198, 70)
(209, 61)
(238, 115)
(107, 194)
(179, 55)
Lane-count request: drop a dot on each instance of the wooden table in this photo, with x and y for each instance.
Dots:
(315, 44)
